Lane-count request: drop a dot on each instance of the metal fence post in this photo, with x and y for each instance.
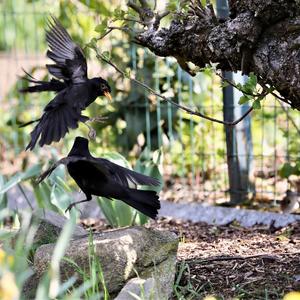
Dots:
(238, 138)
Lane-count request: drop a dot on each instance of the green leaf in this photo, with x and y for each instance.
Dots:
(119, 13)
(101, 28)
(33, 171)
(224, 84)
(3, 198)
(92, 43)
(108, 210)
(106, 55)
(58, 253)
(252, 80)
(244, 99)
(256, 104)
(250, 85)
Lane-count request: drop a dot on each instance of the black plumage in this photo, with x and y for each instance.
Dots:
(101, 177)
(74, 90)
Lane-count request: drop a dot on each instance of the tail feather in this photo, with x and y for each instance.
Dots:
(53, 85)
(28, 123)
(147, 202)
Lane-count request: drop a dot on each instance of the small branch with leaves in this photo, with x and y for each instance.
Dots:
(188, 110)
(150, 20)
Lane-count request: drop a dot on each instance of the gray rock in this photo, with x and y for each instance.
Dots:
(50, 224)
(138, 288)
(122, 253)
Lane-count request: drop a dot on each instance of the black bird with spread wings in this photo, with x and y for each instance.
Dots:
(101, 177)
(74, 90)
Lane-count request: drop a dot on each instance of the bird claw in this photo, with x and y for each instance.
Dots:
(71, 206)
(99, 119)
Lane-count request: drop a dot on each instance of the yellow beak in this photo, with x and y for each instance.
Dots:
(108, 95)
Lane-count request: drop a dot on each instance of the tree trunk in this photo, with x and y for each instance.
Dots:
(259, 36)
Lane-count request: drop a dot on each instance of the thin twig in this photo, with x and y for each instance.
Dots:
(186, 109)
(105, 34)
(111, 28)
(133, 20)
(264, 85)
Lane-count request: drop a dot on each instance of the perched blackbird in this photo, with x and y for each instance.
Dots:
(75, 91)
(99, 176)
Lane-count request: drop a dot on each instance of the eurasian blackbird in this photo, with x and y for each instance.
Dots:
(101, 177)
(74, 90)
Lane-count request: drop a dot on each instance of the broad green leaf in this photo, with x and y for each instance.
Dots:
(244, 99)
(108, 210)
(33, 171)
(101, 28)
(119, 13)
(3, 197)
(256, 104)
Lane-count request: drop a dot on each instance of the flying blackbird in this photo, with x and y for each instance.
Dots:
(74, 90)
(100, 177)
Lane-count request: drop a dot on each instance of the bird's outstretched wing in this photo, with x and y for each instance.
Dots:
(55, 123)
(123, 175)
(70, 63)
(63, 161)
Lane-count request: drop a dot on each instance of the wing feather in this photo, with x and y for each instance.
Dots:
(123, 175)
(70, 63)
(54, 125)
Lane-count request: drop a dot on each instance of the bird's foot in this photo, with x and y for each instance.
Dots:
(98, 119)
(70, 206)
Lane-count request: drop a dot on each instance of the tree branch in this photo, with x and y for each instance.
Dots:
(260, 37)
(186, 109)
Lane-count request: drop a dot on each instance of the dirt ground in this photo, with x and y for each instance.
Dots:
(232, 262)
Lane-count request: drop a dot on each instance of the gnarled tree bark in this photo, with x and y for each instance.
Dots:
(259, 36)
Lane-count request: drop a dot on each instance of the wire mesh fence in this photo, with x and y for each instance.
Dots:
(194, 153)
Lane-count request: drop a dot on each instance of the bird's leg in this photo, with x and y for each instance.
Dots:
(88, 198)
(92, 131)
(99, 119)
